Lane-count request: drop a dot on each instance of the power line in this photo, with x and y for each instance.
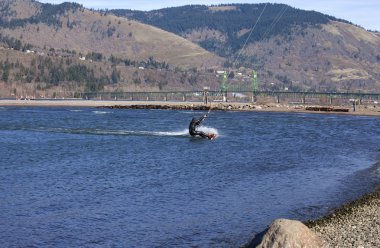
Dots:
(270, 28)
(249, 36)
(276, 20)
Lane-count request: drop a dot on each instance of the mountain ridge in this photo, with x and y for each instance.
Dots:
(90, 31)
(233, 21)
(290, 49)
(330, 54)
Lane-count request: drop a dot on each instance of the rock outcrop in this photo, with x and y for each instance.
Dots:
(283, 233)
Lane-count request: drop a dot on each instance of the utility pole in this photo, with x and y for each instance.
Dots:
(254, 85)
(223, 87)
(205, 94)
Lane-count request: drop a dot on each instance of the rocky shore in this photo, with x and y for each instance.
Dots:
(356, 224)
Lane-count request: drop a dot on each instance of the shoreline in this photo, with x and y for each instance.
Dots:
(223, 106)
(354, 224)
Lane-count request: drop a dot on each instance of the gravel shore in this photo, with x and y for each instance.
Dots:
(356, 224)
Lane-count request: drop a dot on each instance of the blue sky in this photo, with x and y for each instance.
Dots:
(365, 13)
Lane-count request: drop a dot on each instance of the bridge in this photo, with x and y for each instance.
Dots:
(240, 96)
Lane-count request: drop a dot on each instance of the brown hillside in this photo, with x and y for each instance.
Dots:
(290, 48)
(86, 31)
(12, 10)
(31, 75)
(337, 56)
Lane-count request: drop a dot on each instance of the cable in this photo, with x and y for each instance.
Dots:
(273, 24)
(249, 36)
(276, 20)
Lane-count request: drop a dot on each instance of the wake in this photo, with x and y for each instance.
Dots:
(207, 129)
(181, 133)
(89, 131)
(184, 132)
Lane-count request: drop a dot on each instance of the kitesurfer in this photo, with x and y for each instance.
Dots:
(194, 125)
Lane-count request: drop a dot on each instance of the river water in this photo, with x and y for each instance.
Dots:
(88, 177)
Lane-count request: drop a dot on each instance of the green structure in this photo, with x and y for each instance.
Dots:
(223, 87)
(254, 85)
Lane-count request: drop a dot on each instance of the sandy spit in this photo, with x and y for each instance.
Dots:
(232, 106)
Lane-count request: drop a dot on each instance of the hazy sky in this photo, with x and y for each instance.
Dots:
(365, 13)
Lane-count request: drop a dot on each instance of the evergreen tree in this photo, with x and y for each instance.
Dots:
(115, 76)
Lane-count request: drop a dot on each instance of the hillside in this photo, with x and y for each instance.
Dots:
(38, 75)
(224, 29)
(335, 57)
(72, 27)
(68, 49)
(62, 50)
(291, 48)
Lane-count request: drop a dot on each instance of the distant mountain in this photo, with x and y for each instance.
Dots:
(66, 47)
(61, 50)
(70, 26)
(224, 29)
(291, 48)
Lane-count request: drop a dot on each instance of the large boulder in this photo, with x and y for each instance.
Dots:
(283, 233)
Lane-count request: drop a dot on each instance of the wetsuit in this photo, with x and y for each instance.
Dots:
(193, 127)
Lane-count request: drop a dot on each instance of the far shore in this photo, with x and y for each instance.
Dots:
(365, 110)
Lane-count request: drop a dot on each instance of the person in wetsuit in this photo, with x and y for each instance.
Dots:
(193, 127)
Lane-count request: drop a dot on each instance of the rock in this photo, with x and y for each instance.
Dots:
(287, 233)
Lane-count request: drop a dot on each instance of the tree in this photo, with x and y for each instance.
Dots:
(231, 75)
(115, 76)
(5, 75)
(6, 71)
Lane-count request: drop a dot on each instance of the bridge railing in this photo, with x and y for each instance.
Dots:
(236, 96)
